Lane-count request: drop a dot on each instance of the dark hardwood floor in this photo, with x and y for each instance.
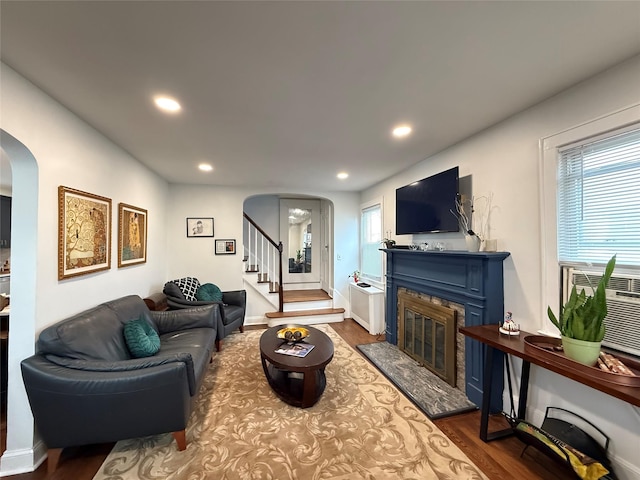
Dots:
(499, 459)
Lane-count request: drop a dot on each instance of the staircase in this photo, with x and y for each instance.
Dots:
(306, 307)
(262, 272)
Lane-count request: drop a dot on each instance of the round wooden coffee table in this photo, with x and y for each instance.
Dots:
(299, 381)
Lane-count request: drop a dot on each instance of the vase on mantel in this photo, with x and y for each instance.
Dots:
(473, 243)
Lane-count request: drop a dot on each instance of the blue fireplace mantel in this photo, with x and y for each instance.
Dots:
(474, 280)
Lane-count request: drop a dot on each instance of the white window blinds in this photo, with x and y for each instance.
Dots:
(599, 200)
(370, 256)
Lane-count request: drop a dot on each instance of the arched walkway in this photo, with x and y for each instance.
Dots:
(23, 452)
(266, 208)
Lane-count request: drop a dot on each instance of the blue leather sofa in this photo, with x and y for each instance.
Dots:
(84, 386)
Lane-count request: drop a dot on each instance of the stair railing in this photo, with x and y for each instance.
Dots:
(264, 256)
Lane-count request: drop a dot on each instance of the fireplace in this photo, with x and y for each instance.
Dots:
(427, 333)
(470, 283)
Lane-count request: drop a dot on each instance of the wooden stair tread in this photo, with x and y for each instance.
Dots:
(292, 296)
(305, 313)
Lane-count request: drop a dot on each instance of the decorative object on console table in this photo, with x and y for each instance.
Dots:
(84, 233)
(226, 247)
(132, 235)
(581, 320)
(509, 327)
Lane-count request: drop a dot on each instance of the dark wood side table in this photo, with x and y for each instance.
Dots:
(297, 381)
(157, 302)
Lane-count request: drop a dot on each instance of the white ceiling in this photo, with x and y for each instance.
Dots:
(290, 93)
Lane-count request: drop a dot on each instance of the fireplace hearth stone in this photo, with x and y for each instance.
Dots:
(435, 397)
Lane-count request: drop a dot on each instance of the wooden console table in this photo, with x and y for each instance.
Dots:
(495, 342)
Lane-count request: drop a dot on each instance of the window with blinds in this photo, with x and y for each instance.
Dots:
(371, 237)
(599, 199)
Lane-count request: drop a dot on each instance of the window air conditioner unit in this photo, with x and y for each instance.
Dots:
(623, 306)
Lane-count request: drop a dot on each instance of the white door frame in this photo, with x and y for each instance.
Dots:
(326, 247)
(316, 239)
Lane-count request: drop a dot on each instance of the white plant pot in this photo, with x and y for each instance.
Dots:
(473, 243)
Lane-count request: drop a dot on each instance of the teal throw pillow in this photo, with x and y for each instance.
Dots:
(142, 340)
(209, 292)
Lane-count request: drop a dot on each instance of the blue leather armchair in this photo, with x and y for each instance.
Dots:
(232, 306)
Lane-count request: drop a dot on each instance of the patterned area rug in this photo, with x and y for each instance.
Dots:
(361, 428)
(435, 397)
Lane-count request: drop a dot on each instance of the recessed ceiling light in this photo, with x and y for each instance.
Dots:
(401, 131)
(205, 167)
(342, 175)
(167, 104)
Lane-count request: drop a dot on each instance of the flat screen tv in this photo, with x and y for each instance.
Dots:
(425, 206)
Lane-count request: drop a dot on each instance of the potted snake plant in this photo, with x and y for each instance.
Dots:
(581, 320)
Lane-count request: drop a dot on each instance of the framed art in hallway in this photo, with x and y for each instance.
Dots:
(132, 235)
(225, 247)
(84, 233)
(199, 227)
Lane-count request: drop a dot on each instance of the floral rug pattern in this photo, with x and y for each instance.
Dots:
(361, 428)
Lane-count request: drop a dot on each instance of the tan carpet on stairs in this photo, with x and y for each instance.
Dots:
(362, 428)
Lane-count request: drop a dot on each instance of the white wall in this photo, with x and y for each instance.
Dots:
(266, 208)
(196, 257)
(67, 152)
(505, 160)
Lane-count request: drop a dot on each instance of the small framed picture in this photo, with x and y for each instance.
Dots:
(225, 247)
(199, 227)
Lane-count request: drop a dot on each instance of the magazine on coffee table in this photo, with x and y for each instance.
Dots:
(295, 349)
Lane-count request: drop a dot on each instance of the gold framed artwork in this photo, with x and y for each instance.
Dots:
(132, 235)
(84, 233)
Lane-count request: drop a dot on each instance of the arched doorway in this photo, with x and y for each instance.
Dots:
(23, 452)
(267, 210)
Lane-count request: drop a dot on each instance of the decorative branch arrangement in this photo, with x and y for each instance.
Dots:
(461, 214)
(483, 205)
(465, 219)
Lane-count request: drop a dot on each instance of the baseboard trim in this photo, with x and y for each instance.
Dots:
(14, 462)
(255, 320)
